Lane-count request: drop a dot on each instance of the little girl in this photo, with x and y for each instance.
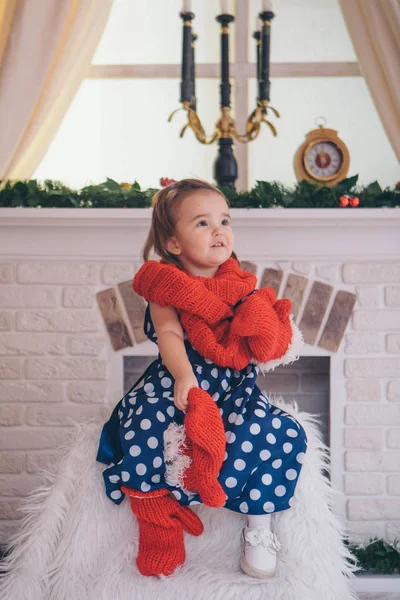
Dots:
(195, 427)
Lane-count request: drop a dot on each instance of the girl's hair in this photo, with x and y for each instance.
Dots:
(165, 204)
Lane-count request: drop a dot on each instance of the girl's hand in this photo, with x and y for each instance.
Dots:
(181, 389)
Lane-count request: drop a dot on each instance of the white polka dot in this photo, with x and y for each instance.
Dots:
(139, 410)
(248, 390)
(114, 478)
(225, 456)
(216, 396)
(123, 402)
(199, 369)
(244, 507)
(214, 373)
(287, 447)
(262, 404)
(132, 400)
(148, 388)
(265, 454)
(271, 439)
(280, 490)
(269, 507)
(260, 413)
(145, 487)
(224, 384)
(125, 476)
(238, 402)
(291, 474)
(205, 385)
(177, 494)
(230, 437)
(152, 442)
(157, 462)
(292, 433)
(116, 495)
(266, 479)
(160, 416)
(255, 494)
(208, 361)
(156, 478)
(134, 450)
(132, 394)
(247, 446)
(171, 411)
(166, 382)
(300, 457)
(152, 400)
(127, 424)
(129, 435)
(141, 469)
(228, 372)
(291, 501)
(239, 420)
(277, 463)
(145, 424)
(255, 428)
(230, 482)
(166, 394)
(221, 412)
(130, 413)
(276, 423)
(232, 418)
(239, 464)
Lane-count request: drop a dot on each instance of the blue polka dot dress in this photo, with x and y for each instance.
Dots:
(265, 446)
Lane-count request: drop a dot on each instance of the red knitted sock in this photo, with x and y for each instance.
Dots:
(161, 523)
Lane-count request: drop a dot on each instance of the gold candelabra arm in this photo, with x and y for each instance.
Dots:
(254, 122)
(194, 124)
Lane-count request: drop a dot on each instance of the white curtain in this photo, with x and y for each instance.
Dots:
(46, 47)
(374, 28)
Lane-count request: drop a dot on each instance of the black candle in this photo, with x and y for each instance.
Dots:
(193, 74)
(257, 37)
(225, 85)
(264, 83)
(187, 57)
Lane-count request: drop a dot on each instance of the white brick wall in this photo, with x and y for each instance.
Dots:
(372, 413)
(54, 368)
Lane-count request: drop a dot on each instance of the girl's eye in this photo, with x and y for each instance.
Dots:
(200, 222)
(226, 221)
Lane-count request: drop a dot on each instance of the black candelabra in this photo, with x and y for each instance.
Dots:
(225, 165)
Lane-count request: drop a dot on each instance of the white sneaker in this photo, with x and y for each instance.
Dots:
(259, 549)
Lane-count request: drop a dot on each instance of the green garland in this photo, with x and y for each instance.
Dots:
(111, 194)
(377, 556)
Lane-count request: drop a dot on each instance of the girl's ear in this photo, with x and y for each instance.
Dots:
(173, 246)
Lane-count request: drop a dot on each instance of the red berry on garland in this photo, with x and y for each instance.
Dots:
(354, 201)
(343, 201)
(398, 184)
(165, 181)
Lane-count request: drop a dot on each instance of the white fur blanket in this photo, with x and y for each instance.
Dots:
(75, 544)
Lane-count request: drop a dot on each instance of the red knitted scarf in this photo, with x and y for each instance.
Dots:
(222, 321)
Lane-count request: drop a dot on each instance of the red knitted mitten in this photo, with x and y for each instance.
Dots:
(161, 523)
(206, 437)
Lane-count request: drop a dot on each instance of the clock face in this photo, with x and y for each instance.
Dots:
(323, 160)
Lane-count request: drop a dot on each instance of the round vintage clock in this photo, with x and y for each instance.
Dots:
(322, 158)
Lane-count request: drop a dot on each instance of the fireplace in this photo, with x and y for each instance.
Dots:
(64, 355)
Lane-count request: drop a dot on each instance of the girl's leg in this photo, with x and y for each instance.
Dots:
(259, 547)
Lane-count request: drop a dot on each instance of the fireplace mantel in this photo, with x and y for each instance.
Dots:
(329, 233)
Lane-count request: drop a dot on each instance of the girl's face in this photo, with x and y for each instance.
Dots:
(203, 221)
